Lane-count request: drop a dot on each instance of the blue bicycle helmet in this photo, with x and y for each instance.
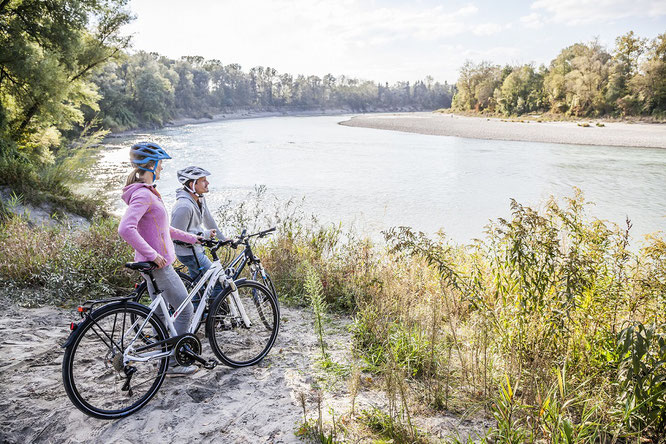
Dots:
(144, 152)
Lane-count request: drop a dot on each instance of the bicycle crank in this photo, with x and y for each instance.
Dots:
(188, 349)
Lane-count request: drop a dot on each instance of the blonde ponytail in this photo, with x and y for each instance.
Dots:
(134, 177)
(137, 174)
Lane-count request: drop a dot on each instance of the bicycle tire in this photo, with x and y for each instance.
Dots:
(268, 282)
(257, 296)
(91, 361)
(235, 344)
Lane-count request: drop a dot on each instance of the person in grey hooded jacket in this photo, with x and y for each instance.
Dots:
(191, 214)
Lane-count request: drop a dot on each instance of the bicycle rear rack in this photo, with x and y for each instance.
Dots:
(85, 308)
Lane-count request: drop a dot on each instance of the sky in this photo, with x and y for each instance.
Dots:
(384, 41)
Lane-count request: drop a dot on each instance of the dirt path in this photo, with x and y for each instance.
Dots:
(257, 404)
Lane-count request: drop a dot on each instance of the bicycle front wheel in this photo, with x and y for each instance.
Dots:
(241, 341)
(94, 375)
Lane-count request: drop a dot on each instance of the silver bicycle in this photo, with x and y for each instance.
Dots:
(117, 356)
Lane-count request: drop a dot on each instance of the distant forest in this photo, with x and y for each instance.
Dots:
(147, 89)
(583, 80)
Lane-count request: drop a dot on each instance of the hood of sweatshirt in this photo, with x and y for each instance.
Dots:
(182, 194)
(130, 189)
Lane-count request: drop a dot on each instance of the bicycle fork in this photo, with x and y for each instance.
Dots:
(235, 305)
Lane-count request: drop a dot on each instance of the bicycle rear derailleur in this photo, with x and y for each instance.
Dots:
(188, 349)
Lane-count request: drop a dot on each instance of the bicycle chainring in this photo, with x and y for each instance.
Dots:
(187, 341)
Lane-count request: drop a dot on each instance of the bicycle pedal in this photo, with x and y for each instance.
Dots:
(211, 364)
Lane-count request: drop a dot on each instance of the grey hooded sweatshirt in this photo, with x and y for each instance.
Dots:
(188, 216)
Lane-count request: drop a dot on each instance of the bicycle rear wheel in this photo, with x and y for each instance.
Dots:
(235, 343)
(93, 373)
(258, 295)
(268, 283)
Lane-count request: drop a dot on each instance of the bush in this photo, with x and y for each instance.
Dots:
(61, 266)
(545, 290)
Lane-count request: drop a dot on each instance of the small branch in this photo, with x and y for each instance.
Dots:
(3, 5)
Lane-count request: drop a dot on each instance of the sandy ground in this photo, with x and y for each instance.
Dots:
(251, 405)
(611, 134)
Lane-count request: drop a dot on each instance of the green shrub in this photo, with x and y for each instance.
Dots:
(63, 266)
(641, 379)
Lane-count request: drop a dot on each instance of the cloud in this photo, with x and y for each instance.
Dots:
(497, 54)
(486, 29)
(532, 21)
(302, 35)
(581, 12)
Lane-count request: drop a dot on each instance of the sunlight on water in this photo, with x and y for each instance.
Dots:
(376, 179)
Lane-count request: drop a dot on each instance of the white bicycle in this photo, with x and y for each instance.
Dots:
(116, 358)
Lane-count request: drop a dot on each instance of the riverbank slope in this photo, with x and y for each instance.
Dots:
(439, 124)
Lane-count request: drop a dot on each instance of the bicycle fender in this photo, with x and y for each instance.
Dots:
(71, 337)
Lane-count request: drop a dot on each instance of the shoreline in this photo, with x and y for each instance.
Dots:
(236, 115)
(620, 134)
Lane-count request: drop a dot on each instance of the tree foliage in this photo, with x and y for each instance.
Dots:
(49, 50)
(582, 80)
(146, 89)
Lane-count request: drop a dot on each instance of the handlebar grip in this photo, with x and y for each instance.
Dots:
(266, 232)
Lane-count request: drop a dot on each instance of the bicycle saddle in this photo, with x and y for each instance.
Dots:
(141, 266)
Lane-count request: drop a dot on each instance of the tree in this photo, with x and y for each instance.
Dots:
(649, 86)
(521, 92)
(578, 79)
(476, 86)
(50, 49)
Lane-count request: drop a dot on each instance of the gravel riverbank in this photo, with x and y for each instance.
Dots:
(610, 134)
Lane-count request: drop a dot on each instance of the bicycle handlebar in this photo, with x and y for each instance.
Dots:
(234, 243)
(244, 237)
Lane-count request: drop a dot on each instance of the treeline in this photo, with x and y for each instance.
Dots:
(146, 89)
(583, 80)
(64, 64)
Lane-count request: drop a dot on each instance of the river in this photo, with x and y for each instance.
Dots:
(375, 179)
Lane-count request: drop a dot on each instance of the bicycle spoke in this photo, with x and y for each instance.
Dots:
(234, 341)
(94, 370)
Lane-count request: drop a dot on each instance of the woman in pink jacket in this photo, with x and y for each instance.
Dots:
(145, 226)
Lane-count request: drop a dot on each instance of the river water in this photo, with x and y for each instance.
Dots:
(375, 179)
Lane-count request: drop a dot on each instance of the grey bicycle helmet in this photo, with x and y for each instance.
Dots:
(191, 173)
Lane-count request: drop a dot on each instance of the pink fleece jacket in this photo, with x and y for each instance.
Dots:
(145, 224)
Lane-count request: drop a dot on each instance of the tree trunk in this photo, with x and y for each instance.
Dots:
(28, 116)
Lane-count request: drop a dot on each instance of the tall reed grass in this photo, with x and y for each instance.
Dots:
(553, 323)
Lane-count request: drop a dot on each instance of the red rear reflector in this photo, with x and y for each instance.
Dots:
(136, 285)
(81, 309)
(72, 326)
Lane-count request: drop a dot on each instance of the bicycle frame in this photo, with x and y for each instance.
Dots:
(210, 278)
(242, 258)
